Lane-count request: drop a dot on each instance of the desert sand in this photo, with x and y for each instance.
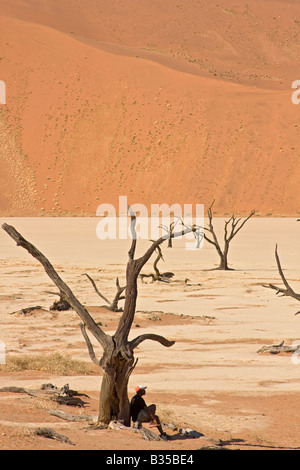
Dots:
(181, 103)
(162, 102)
(212, 380)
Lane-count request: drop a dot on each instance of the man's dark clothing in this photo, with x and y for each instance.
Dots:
(136, 405)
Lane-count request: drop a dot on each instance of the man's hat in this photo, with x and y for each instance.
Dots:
(140, 387)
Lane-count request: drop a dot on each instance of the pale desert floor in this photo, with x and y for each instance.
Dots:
(212, 379)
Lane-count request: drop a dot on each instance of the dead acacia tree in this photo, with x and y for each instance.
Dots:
(287, 291)
(231, 229)
(157, 275)
(114, 305)
(117, 361)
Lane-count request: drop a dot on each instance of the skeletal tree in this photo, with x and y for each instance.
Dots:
(231, 229)
(157, 275)
(117, 361)
(114, 305)
(288, 291)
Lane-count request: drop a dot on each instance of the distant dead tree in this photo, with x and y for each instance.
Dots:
(157, 275)
(169, 230)
(117, 361)
(114, 305)
(231, 228)
(287, 291)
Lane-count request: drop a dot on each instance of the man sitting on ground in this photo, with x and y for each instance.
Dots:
(141, 413)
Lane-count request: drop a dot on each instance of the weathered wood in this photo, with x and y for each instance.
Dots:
(63, 396)
(113, 306)
(278, 348)
(71, 417)
(27, 310)
(69, 401)
(27, 391)
(61, 305)
(157, 275)
(51, 434)
(146, 434)
(231, 229)
(288, 291)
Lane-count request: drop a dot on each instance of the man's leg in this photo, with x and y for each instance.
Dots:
(155, 421)
(143, 417)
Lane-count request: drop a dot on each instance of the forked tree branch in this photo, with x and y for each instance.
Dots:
(106, 341)
(288, 291)
(113, 306)
(133, 270)
(160, 339)
(64, 290)
(143, 259)
(228, 235)
(96, 288)
(235, 227)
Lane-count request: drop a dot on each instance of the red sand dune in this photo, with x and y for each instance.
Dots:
(164, 102)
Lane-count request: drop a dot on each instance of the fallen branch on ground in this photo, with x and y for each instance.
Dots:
(27, 310)
(71, 417)
(63, 396)
(145, 433)
(51, 434)
(278, 348)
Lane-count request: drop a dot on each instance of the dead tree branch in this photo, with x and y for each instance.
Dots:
(169, 231)
(158, 276)
(160, 339)
(278, 348)
(51, 434)
(114, 305)
(288, 291)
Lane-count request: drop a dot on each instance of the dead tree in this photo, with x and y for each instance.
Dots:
(287, 291)
(231, 228)
(157, 275)
(114, 305)
(117, 361)
(169, 230)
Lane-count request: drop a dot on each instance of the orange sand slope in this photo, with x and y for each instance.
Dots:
(164, 102)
